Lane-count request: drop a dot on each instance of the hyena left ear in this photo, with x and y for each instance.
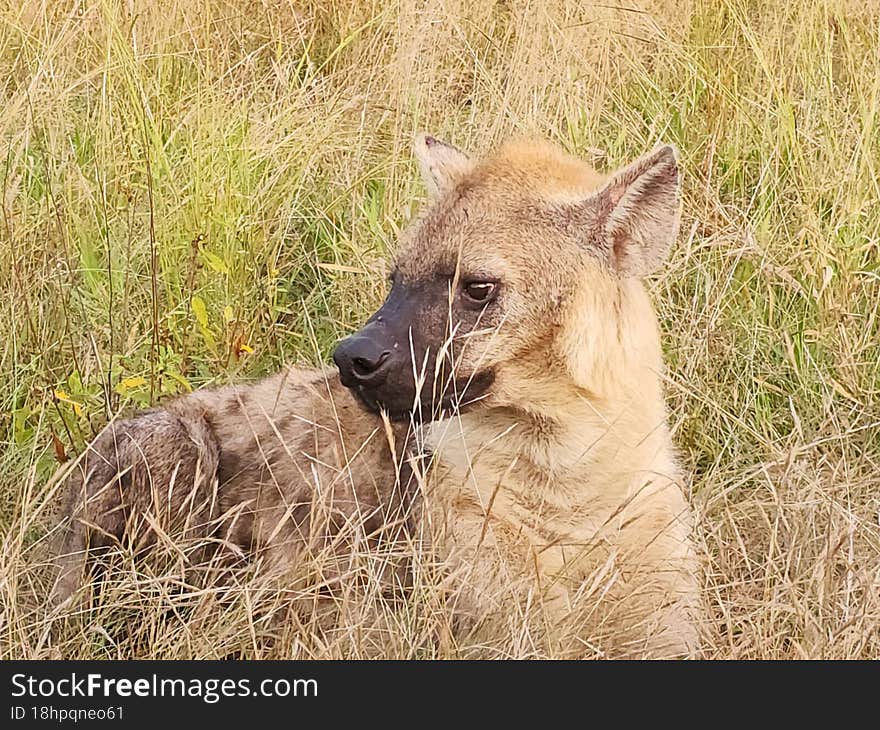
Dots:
(442, 164)
(639, 213)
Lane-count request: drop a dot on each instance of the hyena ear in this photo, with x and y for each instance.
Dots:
(639, 213)
(442, 164)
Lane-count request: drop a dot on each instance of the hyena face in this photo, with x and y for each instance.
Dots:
(481, 289)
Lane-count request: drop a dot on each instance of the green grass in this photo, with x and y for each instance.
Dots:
(208, 178)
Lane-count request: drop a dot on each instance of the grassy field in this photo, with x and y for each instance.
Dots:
(200, 190)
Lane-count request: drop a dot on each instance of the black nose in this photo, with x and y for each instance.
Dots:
(361, 360)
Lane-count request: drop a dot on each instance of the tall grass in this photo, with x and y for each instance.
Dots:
(195, 191)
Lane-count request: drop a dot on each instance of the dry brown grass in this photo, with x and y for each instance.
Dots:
(182, 178)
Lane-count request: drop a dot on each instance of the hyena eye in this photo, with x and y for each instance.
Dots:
(480, 292)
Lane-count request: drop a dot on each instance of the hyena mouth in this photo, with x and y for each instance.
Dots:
(462, 395)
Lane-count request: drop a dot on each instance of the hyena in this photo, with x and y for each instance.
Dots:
(518, 339)
(517, 328)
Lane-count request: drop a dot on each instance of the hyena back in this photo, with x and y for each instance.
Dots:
(265, 471)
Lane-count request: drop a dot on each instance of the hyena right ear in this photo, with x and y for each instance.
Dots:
(442, 164)
(638, 213)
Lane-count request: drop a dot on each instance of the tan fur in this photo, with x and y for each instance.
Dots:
(565, 475)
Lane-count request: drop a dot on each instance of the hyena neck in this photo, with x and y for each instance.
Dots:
(605, 442)
(613, 371)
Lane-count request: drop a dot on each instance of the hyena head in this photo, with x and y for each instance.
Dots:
(510, 277)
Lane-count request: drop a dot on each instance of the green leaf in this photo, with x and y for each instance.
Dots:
(200, 311)
(215, 262)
